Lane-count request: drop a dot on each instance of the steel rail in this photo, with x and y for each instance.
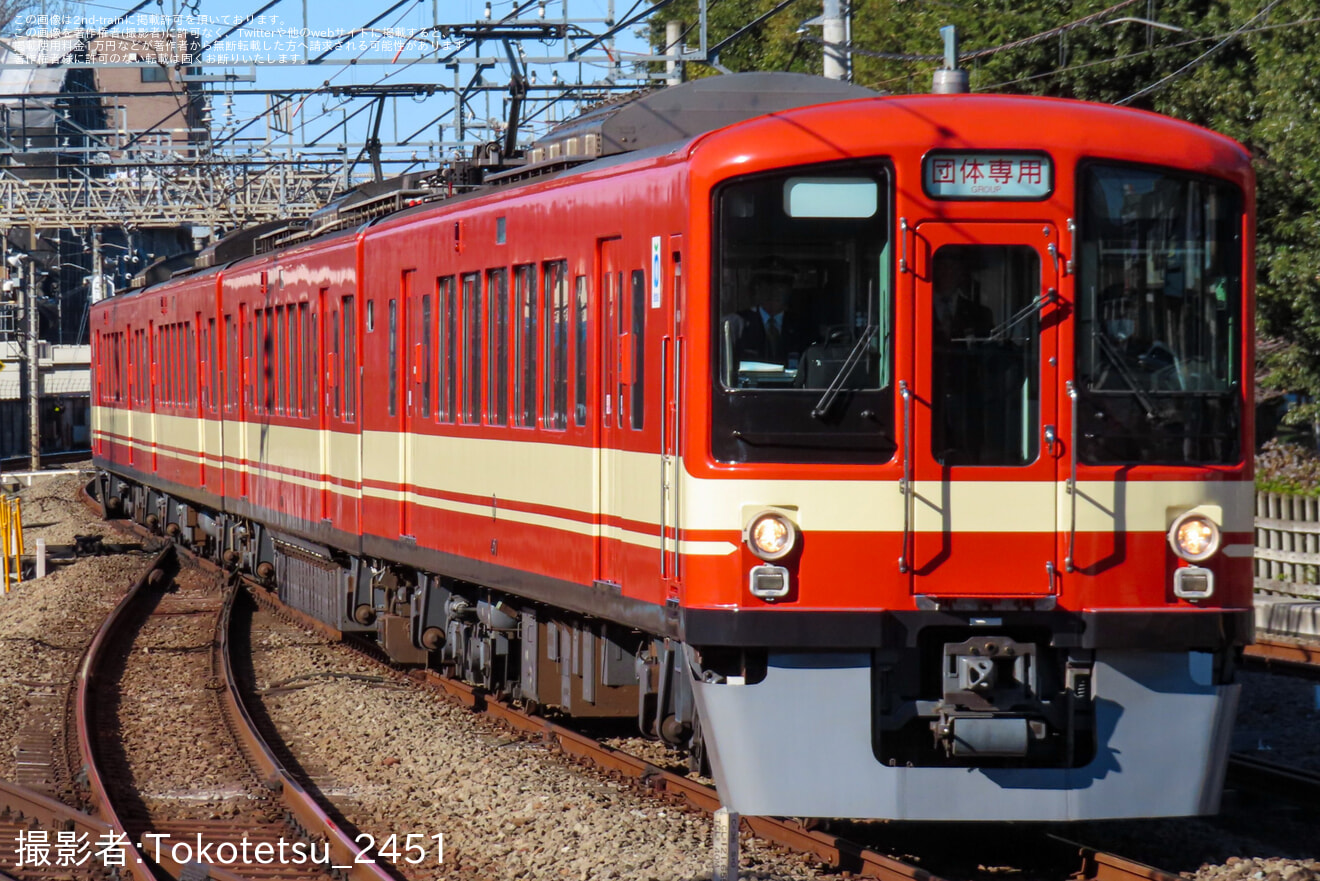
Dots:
(1278, 654)
(836, 851)
(301, 808)
(19, 803)
(89, 680)
(1098, 865)
(1295, 784)
(839, 853)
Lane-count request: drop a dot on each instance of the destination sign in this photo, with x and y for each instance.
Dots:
(988, 176)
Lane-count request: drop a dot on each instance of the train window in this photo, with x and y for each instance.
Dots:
(350, 372)
(394, 355)
(294, 336)
(213, 356)
(176, 369)
(231, 366)
(288, 361)
(472, 348)
(580, 343)
(525, 379)
(425, 366)
(190, 362)
(448, 360)
(831, 197)
(307, 320)
(204, 344)
(266, 352)
(639, 348)
(1159, 317)
(114, 378)
(497, 292)
(249, 340)
(255, 381)
(555, 279)
(268, 355)
(985, 363)
(165, 385)
(336, 373)
(803, 316)
(163, 375)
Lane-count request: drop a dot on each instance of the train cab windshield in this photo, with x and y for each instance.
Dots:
(803, 321)
(1159, 318)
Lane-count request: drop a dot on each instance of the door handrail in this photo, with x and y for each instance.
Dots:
(905, 484)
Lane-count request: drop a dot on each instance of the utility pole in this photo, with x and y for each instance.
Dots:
(33, 361)
(674, 49)
(835, 34)
(97, 289)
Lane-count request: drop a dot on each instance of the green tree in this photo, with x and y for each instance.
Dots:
(1242, 67)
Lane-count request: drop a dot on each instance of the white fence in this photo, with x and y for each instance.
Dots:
(1288, 545)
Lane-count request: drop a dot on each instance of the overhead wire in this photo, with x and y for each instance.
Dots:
(1200, 59)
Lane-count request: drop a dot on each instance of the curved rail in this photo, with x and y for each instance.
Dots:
(137, 865)
(300, 808)
(838, 852)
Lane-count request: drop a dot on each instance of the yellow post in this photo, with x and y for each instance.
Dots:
(4, 529)
(18, 539)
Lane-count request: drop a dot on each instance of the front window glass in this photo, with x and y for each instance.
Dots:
(1159, 318)
(803, 319)
(985, 383)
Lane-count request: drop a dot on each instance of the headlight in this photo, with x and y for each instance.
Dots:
(1194, 537)
(771, 535)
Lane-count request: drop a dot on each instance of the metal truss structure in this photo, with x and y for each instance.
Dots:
(469, 85)
(206, 194)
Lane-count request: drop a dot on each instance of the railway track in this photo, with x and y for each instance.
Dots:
(1273, 778)
(1278, 654)
(838, 852)
(262, 806)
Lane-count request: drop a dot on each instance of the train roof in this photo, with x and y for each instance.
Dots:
(644, 125)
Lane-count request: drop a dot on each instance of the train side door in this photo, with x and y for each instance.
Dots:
(153, 352)
(417, 358)
(671, 397)
(613, 342)
(985, 450)
(400, 393)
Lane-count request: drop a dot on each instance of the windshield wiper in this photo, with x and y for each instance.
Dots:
(1106, 347)
(1012, 321)
(849, 365)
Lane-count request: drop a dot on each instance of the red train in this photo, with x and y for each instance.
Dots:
(891, 453)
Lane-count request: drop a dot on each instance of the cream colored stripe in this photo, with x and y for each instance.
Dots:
(1138, 506)
(565, 476)
(545, 474)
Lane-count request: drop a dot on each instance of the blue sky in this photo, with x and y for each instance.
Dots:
(266, 52)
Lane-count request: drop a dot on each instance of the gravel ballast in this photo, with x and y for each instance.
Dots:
(397, 760)
(46, 624)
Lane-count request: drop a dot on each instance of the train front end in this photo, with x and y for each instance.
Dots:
(967, 458)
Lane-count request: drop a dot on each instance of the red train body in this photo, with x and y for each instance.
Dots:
(965, 534)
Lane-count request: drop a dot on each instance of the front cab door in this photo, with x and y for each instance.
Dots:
(985, 453)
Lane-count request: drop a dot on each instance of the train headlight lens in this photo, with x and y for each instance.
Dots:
(1194, 537)
(771, 535)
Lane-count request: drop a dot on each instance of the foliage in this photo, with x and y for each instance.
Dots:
(1288, 469)
(1242, 67)
(12, 13)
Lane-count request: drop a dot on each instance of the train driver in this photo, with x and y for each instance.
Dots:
(769, 331)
